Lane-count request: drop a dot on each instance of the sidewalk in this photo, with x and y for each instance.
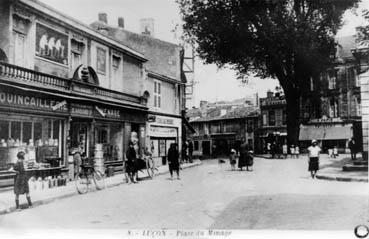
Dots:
(40, 197)
(331, 168)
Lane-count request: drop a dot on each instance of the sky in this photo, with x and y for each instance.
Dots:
(211, 83)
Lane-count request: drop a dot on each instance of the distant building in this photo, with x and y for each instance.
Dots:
(272, 124)
(216, 133)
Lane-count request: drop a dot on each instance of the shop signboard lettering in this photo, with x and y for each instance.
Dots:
(25, 101)
(162, 131)
(160, 120)
(107, 112)
(79, 109)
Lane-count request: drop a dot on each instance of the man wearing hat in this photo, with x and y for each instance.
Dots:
(314, 152)
(21, 181)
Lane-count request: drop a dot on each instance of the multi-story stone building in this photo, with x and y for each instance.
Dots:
(219, 131)
(163, 85)
(331, 111)
(272, 124)
(66, 86)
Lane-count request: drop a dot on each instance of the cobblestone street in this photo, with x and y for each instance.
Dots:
(278, 194)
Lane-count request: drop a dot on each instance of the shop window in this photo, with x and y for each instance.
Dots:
(15, 130)
(157, 94)
(37, 131)
(27, 132)
(102, 136)
(4, 130)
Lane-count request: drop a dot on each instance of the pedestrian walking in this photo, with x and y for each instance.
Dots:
(284, 150)
(297, 151)
(243, 154)
(21, 181)
(131, 159)
(313, 154)
(268, 148)
(352, 146)
(233, 159)
(173, 160)
(249, 158)
(292, 151)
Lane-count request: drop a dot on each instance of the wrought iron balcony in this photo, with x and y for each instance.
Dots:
(22, 76)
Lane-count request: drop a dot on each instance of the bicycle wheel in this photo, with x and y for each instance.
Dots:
(150, 167)
(82, 181)
(99, 180)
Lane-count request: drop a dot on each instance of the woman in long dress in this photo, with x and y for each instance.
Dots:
(21, 181)
(173, 160)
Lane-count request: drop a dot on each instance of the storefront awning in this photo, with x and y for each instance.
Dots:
(310, 132)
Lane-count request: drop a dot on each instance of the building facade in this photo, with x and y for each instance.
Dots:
(216, 134)
(163, 85)
(331, 110)
(65, 87)
(272, 123)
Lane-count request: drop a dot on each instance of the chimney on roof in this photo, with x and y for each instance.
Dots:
(121, 22)
(103, 17)
(147, 26)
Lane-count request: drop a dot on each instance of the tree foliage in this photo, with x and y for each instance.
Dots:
(292, 40)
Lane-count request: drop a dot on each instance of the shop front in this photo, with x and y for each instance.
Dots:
(34, 123)
(103, 132)
(329, 134)
(162, 131)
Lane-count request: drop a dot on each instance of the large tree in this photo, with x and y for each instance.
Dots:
(291, 40)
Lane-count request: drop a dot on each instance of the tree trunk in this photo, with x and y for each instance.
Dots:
(293, 117)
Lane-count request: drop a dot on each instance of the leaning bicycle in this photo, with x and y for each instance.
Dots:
(87, 176)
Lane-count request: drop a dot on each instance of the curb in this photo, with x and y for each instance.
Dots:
(68, 195)
(341, 179)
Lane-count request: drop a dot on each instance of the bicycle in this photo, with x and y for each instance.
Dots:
(145, 163)
(86, 175)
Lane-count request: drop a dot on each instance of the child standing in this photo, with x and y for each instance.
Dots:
(232, 159)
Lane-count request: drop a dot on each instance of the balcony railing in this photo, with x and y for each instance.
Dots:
(29, 77)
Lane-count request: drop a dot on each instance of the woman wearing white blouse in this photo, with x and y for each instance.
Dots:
(314, 152)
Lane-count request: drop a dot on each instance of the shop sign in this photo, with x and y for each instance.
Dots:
(162, 131)
(78, 109)
(325, 119)
(160, 120)
(108, 113)
(31, 102)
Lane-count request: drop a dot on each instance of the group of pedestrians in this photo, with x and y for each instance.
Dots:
(132, 163)
(281, 151)
(245, 158)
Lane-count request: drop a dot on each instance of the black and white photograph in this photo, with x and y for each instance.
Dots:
(184, 119)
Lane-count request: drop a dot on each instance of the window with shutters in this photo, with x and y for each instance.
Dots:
(157, 94)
